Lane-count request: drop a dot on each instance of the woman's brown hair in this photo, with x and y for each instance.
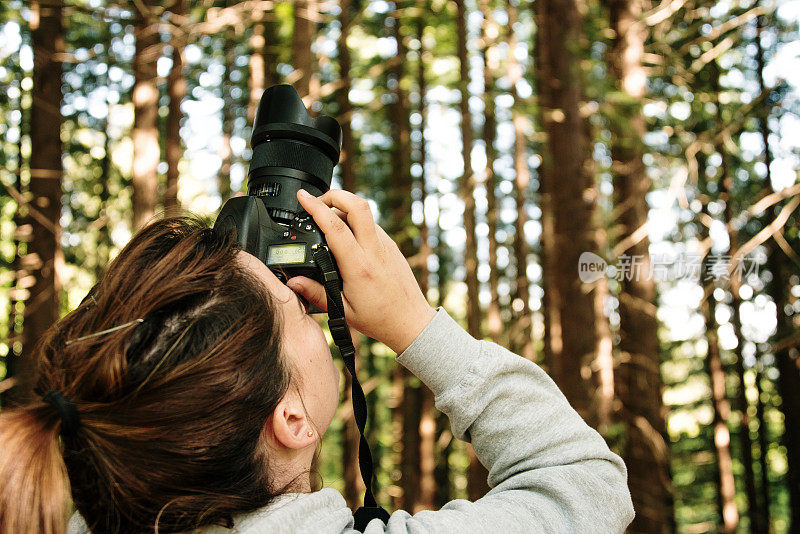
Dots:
(171, 408)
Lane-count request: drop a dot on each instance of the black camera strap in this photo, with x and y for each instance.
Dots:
(332, 282)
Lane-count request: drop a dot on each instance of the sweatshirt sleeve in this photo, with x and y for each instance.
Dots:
(548, 470)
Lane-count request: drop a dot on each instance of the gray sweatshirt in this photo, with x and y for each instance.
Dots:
(548, 470)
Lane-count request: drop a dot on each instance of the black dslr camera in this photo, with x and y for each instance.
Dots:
(291, 150)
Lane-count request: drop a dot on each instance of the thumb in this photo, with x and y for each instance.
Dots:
(310, 289)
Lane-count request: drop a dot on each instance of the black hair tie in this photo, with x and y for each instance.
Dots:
(70, 420)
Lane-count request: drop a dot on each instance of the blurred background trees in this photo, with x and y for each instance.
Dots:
(499, 142)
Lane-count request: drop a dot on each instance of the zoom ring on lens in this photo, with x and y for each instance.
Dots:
(294, 155)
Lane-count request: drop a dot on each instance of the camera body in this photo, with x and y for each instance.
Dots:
(291, 150)
(287, 248)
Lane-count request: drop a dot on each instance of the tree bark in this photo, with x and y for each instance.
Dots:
(43, 258)
(408, 412)
(176, 90)
(787, 359)
(343, 100)
(726, 192)
(302, 58)
(521, 342)
(256, 81)
(726, 494)
(489, 33)
(350, 440)
(426, 499)
(763, 447)
(146, 150)
(477, 480)
(638, 381)
(577, 331)
(226, 152)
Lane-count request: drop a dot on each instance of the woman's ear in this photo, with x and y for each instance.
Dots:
(290, 425)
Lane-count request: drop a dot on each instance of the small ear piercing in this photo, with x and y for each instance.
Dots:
(310, 433)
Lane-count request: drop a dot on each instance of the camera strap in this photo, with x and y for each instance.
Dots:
(332, 282)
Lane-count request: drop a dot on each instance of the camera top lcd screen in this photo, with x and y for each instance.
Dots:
(283, 254)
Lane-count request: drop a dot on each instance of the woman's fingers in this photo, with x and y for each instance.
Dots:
(337, 234)
(310, 289)
(359, 215)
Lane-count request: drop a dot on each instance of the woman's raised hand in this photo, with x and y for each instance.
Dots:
(381, 296)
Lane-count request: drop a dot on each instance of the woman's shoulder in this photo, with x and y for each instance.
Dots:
(324, 511)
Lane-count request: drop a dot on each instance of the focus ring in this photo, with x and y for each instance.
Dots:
(294, 155)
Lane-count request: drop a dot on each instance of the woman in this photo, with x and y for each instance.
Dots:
(190, 390)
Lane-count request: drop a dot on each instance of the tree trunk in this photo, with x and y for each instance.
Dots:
(271, 48)
(521, 342)
(489, 33)
(763, 447)
(477, 481)
(43, 259)
(638, 379)
(787, 359)
(228, 103)
(722, 437)
(256, 81)
(302, 58)
(577, 331)
(353, 484)
(407, 414)
(443, 447)
(146, 150)
(104, 242)
(726, 495)
(176, 90)
(426, 498)
(347, 165)
(726, 192)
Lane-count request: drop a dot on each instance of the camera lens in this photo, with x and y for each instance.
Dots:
(291, 150)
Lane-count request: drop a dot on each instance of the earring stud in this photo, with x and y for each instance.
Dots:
(310, 433)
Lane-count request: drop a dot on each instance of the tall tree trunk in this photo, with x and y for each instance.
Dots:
(763, 447)
(271, 47)
(43, 258)
(638, 379)
(426, 499)
(176, 90)
(477, 481)
(146, 150)
(226, 152)
(726, 494)
(352, 478)
(577, 330)
(407, 414)
(521, 342)
(489, 33)
(104, 242)
(726, 193)
(441, 471)
(722, 437)
(302, 37)
(256, 81)
(343, 99)
(787, 359)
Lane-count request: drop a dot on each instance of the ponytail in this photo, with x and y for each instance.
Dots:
(34, 488)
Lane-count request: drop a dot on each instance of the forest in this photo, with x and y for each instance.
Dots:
(609, 188)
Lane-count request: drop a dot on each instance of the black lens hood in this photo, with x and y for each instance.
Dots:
(281, 114)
